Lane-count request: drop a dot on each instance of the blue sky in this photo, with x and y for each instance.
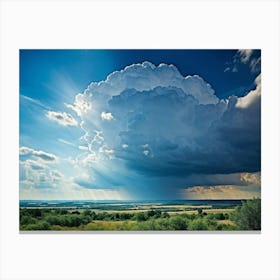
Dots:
(139, 124)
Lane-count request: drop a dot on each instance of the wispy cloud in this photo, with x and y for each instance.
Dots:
(66, 142)
(34, 101)
(244, 57)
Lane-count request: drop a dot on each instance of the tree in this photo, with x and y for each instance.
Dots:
(87, 212)
(140, 217)
(248, 215)
(178, 223)
(198, 224)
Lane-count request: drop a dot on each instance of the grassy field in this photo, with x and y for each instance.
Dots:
(145, 217)
(148, 219)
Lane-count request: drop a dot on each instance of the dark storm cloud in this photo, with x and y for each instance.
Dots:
(163, 124)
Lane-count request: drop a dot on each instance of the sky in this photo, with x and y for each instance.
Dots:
(140, 124)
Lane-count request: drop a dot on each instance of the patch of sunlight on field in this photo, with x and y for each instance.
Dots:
(208, 211)
(226, 222)
(109, 225)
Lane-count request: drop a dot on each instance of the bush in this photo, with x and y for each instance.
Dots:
(38, 226)
(248, 215)
(198, 224)
(178, 223)
(220, 216)
(26, 220)
(140, 217)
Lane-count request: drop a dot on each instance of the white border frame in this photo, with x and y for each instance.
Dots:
(134, 24)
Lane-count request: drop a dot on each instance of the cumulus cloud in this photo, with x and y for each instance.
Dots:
(62, 118)
(252, 96)
(166, 125)
(80, 106)
(185, 126)
(26, 151)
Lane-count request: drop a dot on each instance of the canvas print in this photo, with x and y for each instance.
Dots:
(140, 140)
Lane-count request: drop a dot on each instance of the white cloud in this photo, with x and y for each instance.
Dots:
(40, 181)
(62, 118)
(83, 148)
(81, 105)
(106, 116)
(245, 55)
(37, 153)
(252, 96)
(146, 152)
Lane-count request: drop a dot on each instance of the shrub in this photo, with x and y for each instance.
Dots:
(140, 217)
(248, 215)
(38, 226)
(26, 220)
(178, 223)
(198, 224)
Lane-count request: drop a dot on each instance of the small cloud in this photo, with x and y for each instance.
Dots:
(35, 153)
(124, 146)
(62, 118)
(146, 152)
(106, 116)
(83, 148)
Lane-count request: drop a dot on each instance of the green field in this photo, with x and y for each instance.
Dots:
(151, 217)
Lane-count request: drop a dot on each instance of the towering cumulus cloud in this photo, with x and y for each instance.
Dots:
(164, 127)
